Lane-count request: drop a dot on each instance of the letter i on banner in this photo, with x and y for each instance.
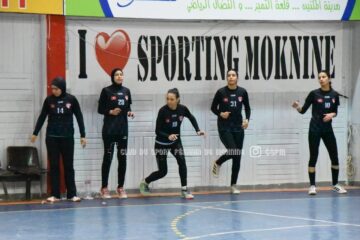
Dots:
(4, 3)
(22, 3)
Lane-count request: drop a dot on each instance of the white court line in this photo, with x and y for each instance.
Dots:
(277, 199)
(284, 216)
(255, 230)
(169, 204)
(326, 223)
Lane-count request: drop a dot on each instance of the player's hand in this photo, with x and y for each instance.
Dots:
(131, 114)
(115, 111)
(33, 138)
(296, 104)
(173, 137)
(245, 124)
(200, 133)
(225, 115)
(83, 142)
(328, 117)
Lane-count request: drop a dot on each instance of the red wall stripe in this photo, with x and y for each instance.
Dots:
(55, 60)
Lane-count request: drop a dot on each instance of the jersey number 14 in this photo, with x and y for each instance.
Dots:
(60, 110)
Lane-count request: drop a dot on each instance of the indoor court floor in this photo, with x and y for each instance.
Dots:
(250, 216)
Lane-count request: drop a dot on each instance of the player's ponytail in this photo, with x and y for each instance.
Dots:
(330, 83)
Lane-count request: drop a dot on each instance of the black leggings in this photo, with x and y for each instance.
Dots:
(109, 142)
(161, 152)
(233, 141)
(329, 140)
(56, 147)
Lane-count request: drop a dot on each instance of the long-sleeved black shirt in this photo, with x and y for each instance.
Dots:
(169, 122)
(231, 100)
(111, 97)
(322, 102)
(60, 111)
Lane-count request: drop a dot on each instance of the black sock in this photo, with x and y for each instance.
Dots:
(335, 175)
(146, 181)
(312, 178)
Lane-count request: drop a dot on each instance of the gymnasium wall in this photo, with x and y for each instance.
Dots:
(21, 82)
(277, 129)
(355, 100)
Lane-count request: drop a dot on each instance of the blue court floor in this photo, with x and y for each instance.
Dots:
(250, 216)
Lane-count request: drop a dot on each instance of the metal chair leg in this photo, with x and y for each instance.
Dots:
(5, 189)
(28, 189)
(41, 186)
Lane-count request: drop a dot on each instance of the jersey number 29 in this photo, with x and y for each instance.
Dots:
(121, 102)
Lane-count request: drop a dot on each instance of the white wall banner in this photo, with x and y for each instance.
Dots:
(155, 56)
(227, 9)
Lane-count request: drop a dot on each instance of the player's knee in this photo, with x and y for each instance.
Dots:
(163, 172)
(311, 169)
(335, 166)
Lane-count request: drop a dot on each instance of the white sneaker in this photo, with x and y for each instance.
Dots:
(75, 199)
(186, 194)
(234, 190)
(215, 169)
(312, 190)
(52, 199)
(121, 193)
(339, 189)
(105, 194)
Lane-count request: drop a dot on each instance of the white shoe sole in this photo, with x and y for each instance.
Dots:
(105, 197)
(340, 192)
(187, 198)
(52, 201)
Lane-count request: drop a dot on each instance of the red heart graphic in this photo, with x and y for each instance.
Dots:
(112, 51)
